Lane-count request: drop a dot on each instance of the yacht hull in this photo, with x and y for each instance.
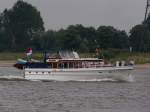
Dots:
(79, 74)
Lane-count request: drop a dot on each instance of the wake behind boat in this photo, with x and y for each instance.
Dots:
(66, 66)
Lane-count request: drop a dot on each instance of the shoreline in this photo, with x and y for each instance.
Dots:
(140, 66)
(7, 63)
(10, 63)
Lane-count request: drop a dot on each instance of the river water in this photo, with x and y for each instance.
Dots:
(54, 96)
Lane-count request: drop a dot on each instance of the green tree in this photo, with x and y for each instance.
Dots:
(140, 38)
(22, 22)
(120, 40)
(4, 37)
(68, 39)
(109, 37)
(105, 36)
(48, 40)
(77, 37)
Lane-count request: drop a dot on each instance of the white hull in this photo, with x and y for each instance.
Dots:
(80, 74)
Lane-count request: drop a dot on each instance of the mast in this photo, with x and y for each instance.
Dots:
(147, 9)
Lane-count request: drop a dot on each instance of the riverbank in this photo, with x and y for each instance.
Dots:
(139, 58)
(142, 60)
(8, 63)
(144, 66)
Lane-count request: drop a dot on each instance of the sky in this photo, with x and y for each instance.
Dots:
(57, 14)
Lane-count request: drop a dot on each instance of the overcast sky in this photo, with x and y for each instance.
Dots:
(122, 14)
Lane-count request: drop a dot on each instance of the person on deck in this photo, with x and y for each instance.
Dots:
(29, 54)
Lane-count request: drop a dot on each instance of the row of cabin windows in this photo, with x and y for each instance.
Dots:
(70, 65)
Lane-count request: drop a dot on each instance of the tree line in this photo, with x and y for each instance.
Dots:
(22, 26)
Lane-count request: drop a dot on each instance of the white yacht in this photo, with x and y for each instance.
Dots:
(68, 66)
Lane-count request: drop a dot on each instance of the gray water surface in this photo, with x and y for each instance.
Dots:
(53, 96)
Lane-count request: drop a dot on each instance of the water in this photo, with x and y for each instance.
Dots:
(53, 96)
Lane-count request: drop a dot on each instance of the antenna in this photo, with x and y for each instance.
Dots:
(147, 8)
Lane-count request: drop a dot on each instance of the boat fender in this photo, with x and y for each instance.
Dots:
(131, 62)
(117, 63)
(122, 63)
